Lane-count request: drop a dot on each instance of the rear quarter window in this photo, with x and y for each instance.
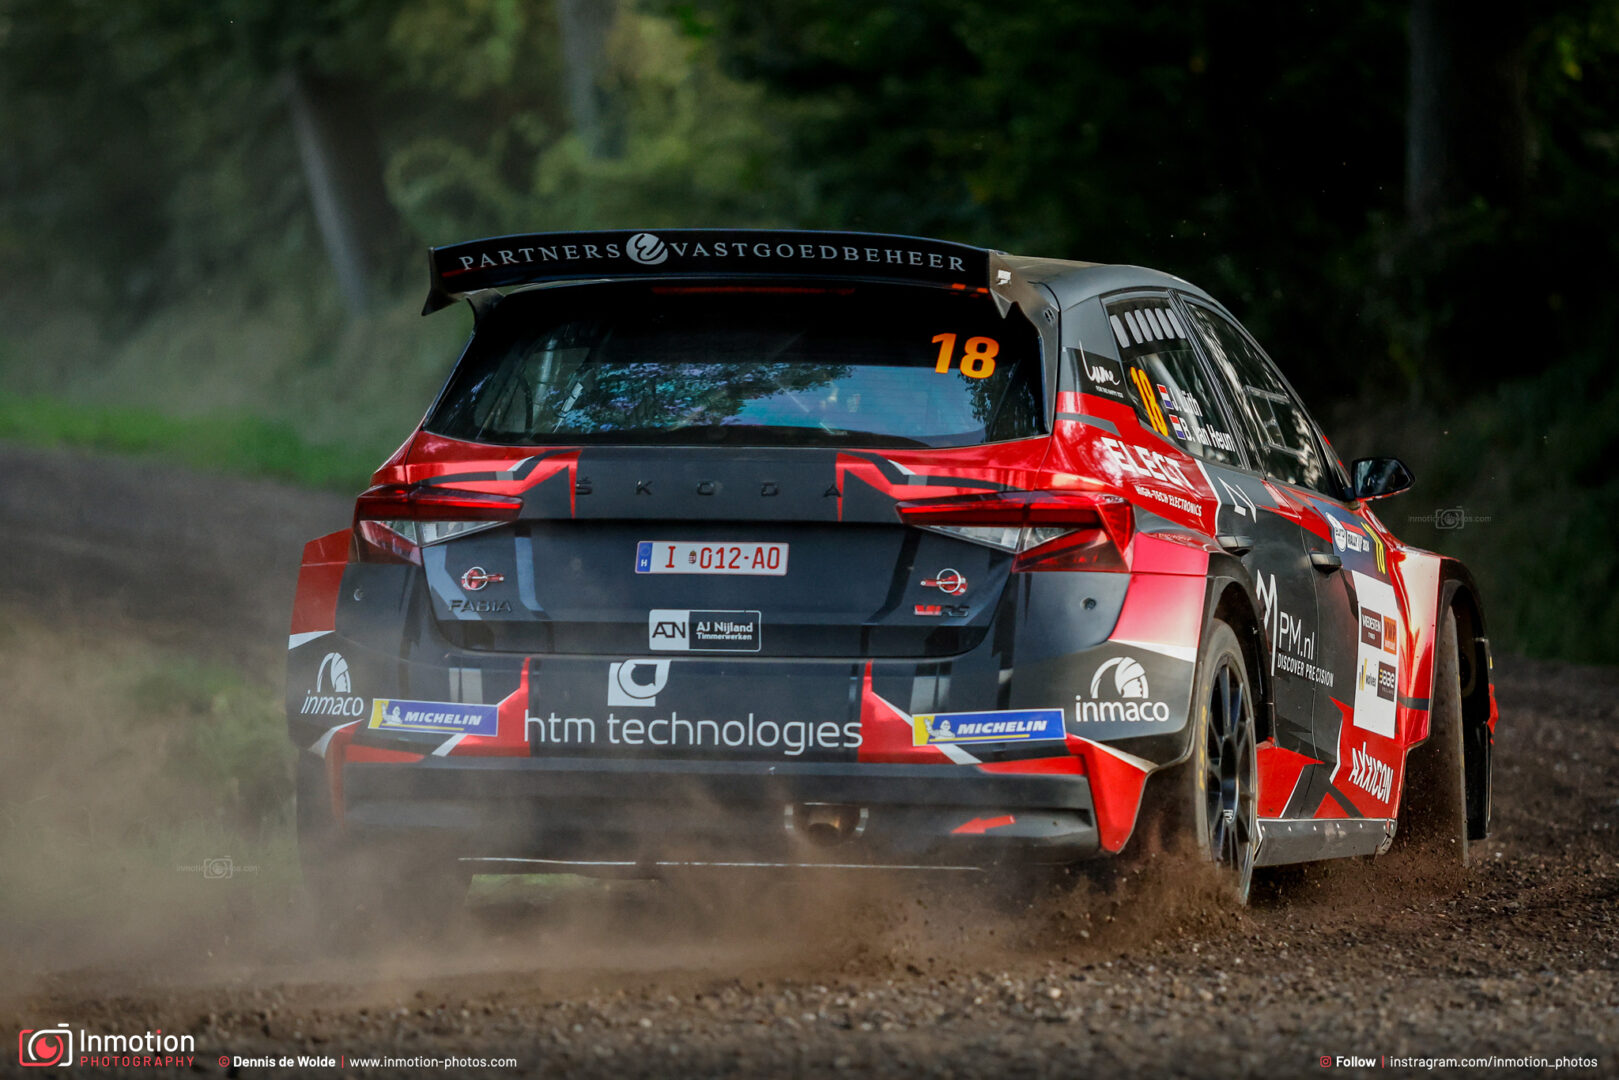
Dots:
(1165, 380)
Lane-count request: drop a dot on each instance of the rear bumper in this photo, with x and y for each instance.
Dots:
(650, 813)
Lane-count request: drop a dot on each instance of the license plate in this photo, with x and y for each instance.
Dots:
(687, 557)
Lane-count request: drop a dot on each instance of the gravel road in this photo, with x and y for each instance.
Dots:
(1515, 957)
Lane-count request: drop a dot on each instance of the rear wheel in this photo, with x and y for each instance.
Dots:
(1433, 799)
(1206, 808)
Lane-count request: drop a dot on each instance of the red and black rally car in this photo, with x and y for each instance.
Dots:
(726, 548)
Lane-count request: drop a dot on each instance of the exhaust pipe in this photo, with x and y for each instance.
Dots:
(828, 824)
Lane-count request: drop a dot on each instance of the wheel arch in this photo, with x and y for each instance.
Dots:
(1232, 600)
(1458, 592)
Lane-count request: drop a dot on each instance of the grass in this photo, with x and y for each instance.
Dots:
(241, 444)
(288, 386)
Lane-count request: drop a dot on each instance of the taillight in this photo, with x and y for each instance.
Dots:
(393, 522)
(1044, 530)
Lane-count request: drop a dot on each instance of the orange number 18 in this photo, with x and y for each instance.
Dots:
(977, 360)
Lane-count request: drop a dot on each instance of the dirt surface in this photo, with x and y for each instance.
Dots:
(1514, 957)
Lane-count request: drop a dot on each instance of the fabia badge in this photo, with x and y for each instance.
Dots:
(477, 577)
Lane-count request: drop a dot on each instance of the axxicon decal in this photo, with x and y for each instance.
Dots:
(1005, 725)
(635, 683)
(1369, 774)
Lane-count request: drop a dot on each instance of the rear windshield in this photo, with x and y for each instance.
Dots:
(859, 366)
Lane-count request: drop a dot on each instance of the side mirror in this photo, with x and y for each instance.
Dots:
(1380, 477)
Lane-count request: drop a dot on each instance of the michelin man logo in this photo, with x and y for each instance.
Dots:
(1129, 679)
(625, 688)
(646, 249)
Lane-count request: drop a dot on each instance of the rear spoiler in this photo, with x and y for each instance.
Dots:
(459, 269)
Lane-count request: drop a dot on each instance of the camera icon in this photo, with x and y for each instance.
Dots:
(218, 869)
(40, 1048)
(1452, 517)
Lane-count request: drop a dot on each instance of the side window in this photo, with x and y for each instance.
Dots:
(1287, 442)
(1171, 391)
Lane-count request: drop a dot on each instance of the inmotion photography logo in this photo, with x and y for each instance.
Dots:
(43, 1047)
(39, 1048)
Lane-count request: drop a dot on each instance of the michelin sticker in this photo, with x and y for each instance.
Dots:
(1009, 725)
(442, 717)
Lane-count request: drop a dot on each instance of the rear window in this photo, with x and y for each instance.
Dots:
(779, 365)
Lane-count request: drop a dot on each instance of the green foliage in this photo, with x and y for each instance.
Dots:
(1527, 471)
(245, 444)
(1173, 135)
(231, 741)
(162, 269)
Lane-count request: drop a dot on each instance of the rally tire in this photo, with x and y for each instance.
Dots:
(1205, 810)
(1433, 800)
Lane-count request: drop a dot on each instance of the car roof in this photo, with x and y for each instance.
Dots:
(1073, 282)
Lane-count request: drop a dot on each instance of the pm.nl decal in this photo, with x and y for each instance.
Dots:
(1011, 725)
(445, 717)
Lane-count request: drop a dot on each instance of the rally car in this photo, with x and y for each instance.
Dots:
(808, 549)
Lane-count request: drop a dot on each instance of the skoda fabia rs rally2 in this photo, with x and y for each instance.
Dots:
(788, 549)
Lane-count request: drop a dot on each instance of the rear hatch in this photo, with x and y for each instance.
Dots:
(720, 470)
